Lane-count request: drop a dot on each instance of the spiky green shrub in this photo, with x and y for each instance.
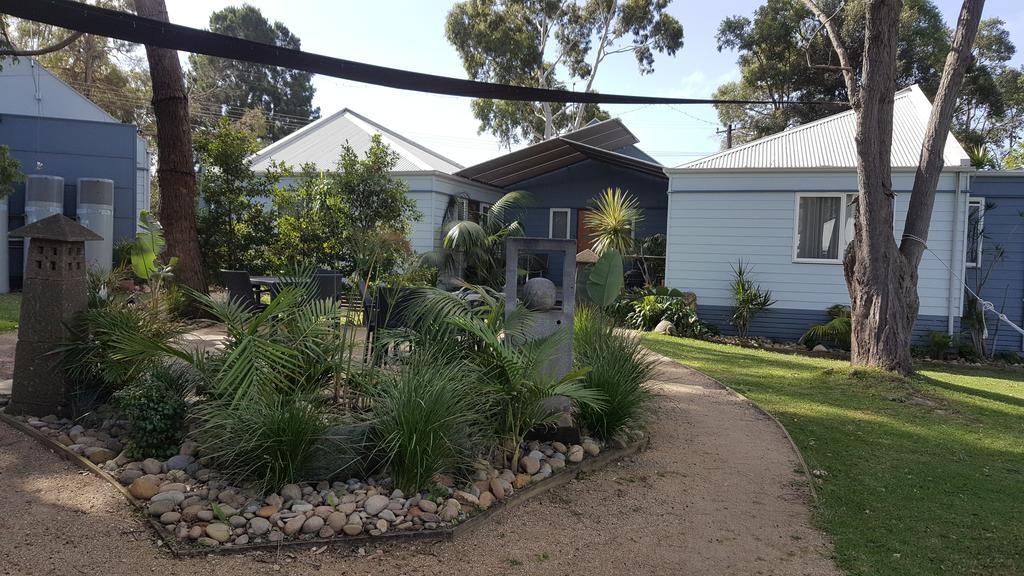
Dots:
(429, 418)
(267, 440)
(620, 372)
(613, 220)
(750, 299)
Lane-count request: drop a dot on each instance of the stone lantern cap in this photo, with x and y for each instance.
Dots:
(587, 256)
(57, 227)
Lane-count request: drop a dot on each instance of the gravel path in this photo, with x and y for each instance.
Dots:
(717, 493)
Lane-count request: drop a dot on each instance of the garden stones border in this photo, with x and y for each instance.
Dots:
(208, 540)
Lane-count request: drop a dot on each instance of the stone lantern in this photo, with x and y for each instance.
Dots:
(54, 290)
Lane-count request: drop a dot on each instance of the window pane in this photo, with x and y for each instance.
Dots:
(560, 224)
(818, 228)
(974, 232)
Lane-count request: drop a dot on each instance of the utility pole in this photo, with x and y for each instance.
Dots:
(728, 135)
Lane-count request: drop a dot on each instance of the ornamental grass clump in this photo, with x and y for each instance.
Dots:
(429, 419)
(620, 372)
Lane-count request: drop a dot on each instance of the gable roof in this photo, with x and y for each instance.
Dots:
(830, 142)
(608, 141)
(320, 142)
(56, 227)
(30, 89)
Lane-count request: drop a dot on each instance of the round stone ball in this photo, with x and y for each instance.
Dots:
(539, 294)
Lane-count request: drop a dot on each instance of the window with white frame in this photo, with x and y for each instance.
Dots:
(820, 227)
(558, 223)
(462, 209)
(975, 232)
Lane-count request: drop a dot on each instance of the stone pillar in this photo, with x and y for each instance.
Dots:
(54, 291)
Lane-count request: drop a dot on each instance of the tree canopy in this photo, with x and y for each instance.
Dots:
(230, 87)
(784, 56)
(552, 44)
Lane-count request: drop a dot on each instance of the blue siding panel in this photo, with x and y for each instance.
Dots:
(1004, 226)
(789, 324)
(72, 149)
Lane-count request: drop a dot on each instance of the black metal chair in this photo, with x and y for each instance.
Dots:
(241, 290)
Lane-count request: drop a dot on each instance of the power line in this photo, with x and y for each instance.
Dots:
(132, 28)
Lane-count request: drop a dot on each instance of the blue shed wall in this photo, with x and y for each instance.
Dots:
(575, 186)
(1004, 226)
(72, 149)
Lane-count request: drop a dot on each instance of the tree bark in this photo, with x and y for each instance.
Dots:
(175, 170)
(881, 275)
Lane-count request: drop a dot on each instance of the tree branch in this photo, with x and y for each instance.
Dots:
(837, 44)
(44, 50)
(929, 167)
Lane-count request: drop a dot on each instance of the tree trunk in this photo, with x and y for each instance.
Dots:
(882, 276)
(175, 169)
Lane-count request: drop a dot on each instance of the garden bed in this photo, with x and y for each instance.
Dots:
(193, 512)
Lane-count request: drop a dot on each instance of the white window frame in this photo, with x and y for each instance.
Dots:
(568, 222)
(980, 203)
(461, 209)
(841, 223)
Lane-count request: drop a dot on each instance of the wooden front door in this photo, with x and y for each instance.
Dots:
(584, 237)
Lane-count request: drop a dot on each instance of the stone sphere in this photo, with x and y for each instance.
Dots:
(539, 294)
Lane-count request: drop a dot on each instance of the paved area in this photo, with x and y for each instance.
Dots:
(717, 493)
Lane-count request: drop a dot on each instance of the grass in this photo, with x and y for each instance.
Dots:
(10, 309)
(923, 474)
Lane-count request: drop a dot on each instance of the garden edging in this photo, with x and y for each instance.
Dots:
(168, 540)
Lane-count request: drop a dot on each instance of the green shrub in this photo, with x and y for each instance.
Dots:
(155, 410)
(429, 419)
(938, 344)
(749, 297)
(646, 314)
(838, 331)
(620, 372)
(268, 440)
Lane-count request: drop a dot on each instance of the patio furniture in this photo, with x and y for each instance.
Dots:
(242, 289)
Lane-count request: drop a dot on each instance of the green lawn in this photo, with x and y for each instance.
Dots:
(924, 476)
(10, 308)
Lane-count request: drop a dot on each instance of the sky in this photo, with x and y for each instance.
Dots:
(409, 34)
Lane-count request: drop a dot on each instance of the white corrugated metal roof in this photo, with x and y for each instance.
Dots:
(829, 142)
(320, 143)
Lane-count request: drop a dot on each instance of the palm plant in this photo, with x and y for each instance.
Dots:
(750, 299)
(613, 221)
(480, 246)
(837, 331)
(517, 379)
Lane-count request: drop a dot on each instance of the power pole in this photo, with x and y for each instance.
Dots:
(728, 135)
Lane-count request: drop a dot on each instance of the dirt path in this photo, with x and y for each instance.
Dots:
(718, 493)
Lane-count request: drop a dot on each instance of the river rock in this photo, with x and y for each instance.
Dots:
(292, 526)
(312, 524)
(591, 447)
(178, 462)
(575, 453)
(291, 492)
(498, 489)
(428, 506)
(337, 520)
(374, 504)
(173, 496)
(170, 518)
(158, 508)
(259, 526)
(143, 489)
(219, 532)
(486, 499)
(529, 464)
(98, 455)
(267, 511)
(352, 529)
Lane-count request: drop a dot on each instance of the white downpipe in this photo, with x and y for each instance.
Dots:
(5, 257)
(954, 283)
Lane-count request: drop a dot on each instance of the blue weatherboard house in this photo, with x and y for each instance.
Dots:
(780, 204)
(55, 131)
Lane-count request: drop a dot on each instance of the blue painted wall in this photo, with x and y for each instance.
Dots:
(575, 186)
(71, 149)
(1004, 225)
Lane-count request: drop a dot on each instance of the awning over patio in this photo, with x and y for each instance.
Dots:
(598, 141)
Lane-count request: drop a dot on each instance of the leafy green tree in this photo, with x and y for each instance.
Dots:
(549, 44)
(785, 57)
(479, 245)
(352, 219)
(230, 87)
(235, 228)
(10, 172)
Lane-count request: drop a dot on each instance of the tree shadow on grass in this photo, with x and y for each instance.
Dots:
(971, 391)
